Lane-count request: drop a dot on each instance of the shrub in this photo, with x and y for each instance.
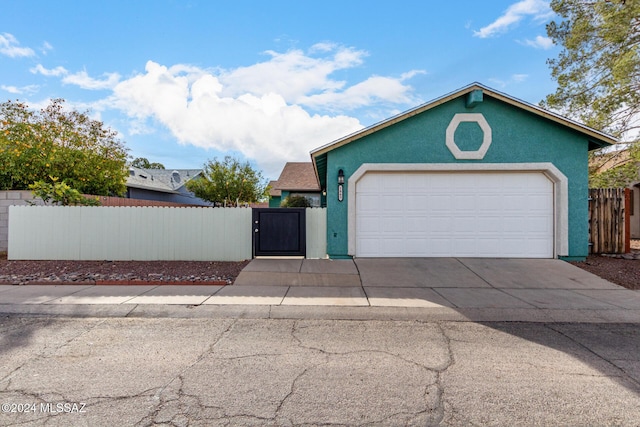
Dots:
(295, 202)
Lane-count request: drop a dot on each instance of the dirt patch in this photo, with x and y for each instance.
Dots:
(623, 272)
(159, 272)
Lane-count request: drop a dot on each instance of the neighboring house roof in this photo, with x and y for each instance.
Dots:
(596, 138)
(162, 180)
(274, 192)
(295, 176)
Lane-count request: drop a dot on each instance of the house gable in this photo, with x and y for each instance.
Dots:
(472, 99)
(453, 130)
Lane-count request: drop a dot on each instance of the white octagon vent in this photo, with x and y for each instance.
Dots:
(486, 139)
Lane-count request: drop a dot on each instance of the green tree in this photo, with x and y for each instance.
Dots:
(598, 76)
(295, 202)
(229, 183)
(53, 145)
(60, 193)
(144, 163)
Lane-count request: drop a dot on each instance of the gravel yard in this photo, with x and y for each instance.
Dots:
(169, 272)
(623, 272)
(616, 269)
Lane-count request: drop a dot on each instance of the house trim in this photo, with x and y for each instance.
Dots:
(486, 136)
(559, 180)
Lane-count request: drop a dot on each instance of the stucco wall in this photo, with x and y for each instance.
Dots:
(517, 137)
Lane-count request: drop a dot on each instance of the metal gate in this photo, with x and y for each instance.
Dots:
(279, 232)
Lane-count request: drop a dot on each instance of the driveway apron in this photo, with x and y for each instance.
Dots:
(461, 284)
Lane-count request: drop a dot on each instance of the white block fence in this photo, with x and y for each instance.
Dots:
(142, 233)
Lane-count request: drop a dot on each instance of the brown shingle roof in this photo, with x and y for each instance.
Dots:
(296, 176)
(274, 192)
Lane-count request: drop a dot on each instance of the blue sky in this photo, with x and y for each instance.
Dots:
(268, 81)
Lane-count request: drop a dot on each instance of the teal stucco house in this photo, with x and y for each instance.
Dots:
(475, 173)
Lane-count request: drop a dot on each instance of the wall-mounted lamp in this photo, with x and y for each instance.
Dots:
(340, 185)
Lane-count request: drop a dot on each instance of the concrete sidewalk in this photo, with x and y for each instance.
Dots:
(406, 288)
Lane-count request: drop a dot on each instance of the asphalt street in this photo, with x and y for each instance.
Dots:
(59, 371)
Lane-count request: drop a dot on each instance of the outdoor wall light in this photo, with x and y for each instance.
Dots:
(340, 185)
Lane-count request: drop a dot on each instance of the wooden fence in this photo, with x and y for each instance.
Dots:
(609, 221)
(142, 233)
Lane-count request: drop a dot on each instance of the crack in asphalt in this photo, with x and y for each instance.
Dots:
(431, 408)
(49, 349)
(308, 352)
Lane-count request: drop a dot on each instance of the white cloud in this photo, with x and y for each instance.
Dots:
(374, 89)
(264, 128)
(53, 72)
(46, 47)
(540, 42)
(293, 74)
(274, 111)
(538, 9)
(514, 78)
(83, 80)
(267, 111)
(10, 47)
(30, 89)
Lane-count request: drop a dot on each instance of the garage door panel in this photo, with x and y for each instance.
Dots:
(417, 224)
(368, 202)
(371, 185)
(392, 225)
(490, 225)
(464, 201)
(538, 225)
(465, 225)
(464, 246)
(489, 246)
(539, 246)
(393, 248)
(417, 202)
(455, 214)
(369, 224)
(489, 202)
(540, 202)
(416, 247)
(439, 224)
(441, 247)
(441, 202)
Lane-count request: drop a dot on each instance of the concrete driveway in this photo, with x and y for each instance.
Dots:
(512, 287)
(428, 289)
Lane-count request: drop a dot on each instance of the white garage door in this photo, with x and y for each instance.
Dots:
(458, 214)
